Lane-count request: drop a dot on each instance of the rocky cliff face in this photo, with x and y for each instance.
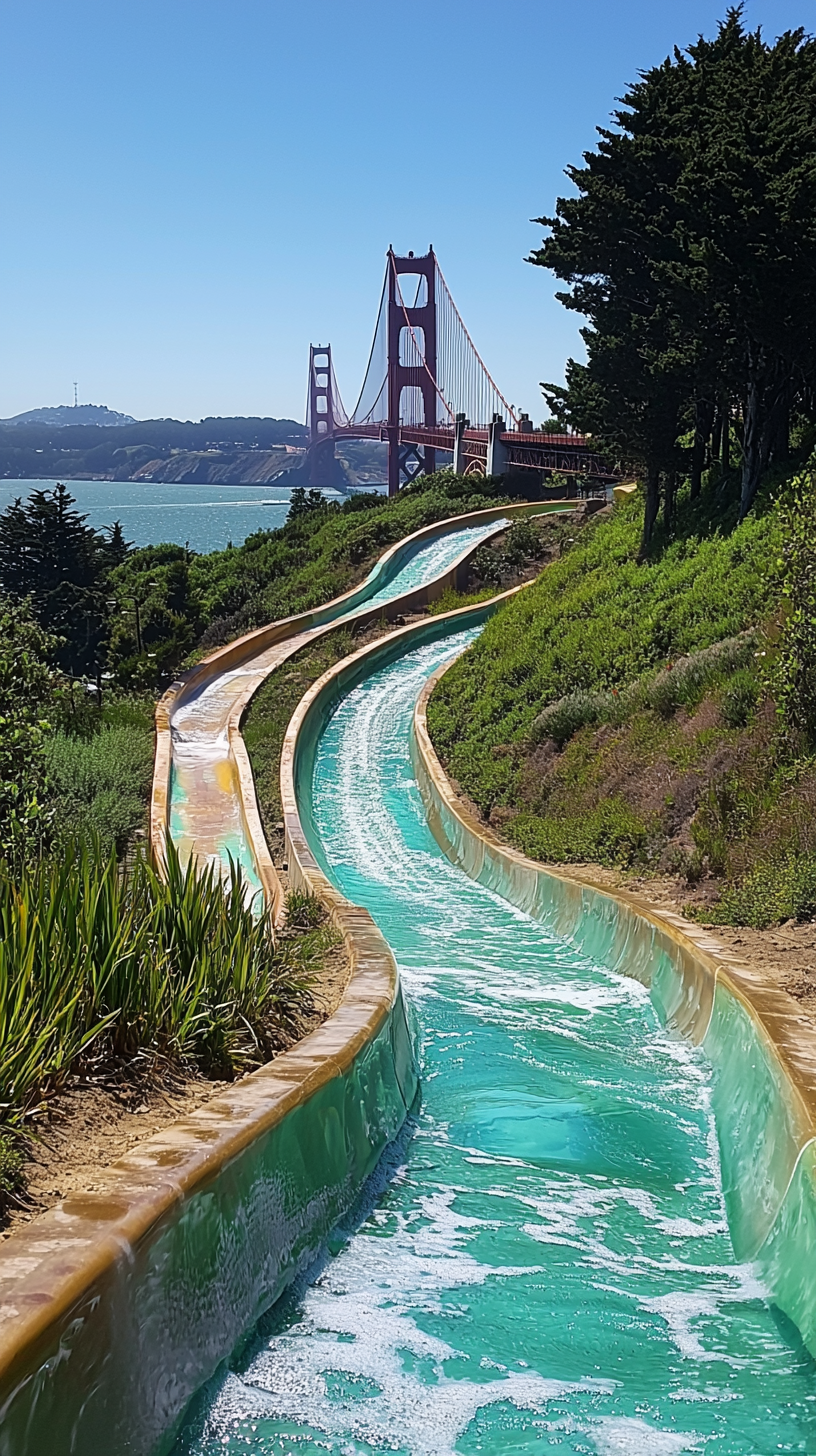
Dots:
(220, 467)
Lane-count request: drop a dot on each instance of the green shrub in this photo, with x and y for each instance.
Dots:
(775, 890)
(522, 542)
(100, 785)
(610, 833)
(740, 698)
(488, 566)
(561, 720)
(686, 681)
(451, 600)
(793, 676)
(726, 811)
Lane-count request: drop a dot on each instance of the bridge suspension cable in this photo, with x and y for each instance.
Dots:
(372, 402)
(461, 381)
(461, 375)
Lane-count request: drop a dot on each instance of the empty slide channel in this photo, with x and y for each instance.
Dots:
(548, 1269)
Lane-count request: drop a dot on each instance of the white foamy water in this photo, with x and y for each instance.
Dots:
(549, 1268)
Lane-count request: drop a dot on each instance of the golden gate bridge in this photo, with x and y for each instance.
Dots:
(426, 390)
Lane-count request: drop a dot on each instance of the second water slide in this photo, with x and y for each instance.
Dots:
(203, 792)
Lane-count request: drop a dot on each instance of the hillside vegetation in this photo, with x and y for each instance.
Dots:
(650, 714)
(199, 602)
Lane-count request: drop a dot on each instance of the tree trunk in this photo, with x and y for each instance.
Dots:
(703, 418)
(725, 454)
(652, 505)
(781, 435)
(669, 494)
(751, 446)
(716, 435)
(767, 395)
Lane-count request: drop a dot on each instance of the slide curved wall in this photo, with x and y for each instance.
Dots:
(762, 1048)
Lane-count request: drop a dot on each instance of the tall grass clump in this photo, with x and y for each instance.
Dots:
(100, 961)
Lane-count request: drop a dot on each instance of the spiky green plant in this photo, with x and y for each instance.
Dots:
(98, 961)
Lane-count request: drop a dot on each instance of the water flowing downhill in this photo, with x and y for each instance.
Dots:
(206, 817)
(549, 1269)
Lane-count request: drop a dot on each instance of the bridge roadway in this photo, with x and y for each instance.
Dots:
(562, 454)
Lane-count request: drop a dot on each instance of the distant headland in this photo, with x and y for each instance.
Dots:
(92, 442)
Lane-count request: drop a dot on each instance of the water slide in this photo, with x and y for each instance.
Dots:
(207, 815)
(530, 1248)
(548, 1267)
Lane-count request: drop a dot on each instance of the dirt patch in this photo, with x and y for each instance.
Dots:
(85, 1128)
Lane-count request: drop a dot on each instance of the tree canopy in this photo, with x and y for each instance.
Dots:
(690, 248)
(28, 692)
(60, 565)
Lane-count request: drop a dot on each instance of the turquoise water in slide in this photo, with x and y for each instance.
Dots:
(200, 740)
(429, 561)
(549, 1268)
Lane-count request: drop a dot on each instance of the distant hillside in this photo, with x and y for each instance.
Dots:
(232, 451)
(68, 414)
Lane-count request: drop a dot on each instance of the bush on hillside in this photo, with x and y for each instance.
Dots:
(775, 890)
(609, 834)
(100, 785)
(560, 721)
(794, 673)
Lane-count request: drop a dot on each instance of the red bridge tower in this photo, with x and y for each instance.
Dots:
(411, 362)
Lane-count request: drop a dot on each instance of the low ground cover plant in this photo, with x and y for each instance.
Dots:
(657, 715)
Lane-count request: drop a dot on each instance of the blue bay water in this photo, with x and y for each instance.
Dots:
(205, 516)
(549, 1269)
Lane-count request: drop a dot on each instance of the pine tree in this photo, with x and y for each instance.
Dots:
(49, 556)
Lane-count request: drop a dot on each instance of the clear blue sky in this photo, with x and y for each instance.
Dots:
(193, 190)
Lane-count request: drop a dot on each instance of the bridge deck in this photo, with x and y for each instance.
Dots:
(536, 450)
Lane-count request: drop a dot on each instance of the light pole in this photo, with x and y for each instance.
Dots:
(131, 597)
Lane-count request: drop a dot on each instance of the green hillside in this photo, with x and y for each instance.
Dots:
(634, 713)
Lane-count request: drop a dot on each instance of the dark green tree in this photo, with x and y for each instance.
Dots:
(301, 502)
(691, 250)
(53, 559)
(29, 692)
(115, 549)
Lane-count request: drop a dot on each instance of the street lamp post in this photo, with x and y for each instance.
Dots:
(131, 597)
